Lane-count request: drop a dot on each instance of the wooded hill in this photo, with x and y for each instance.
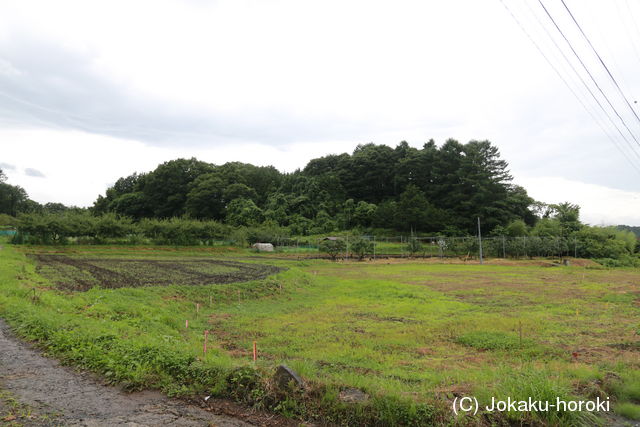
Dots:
(427, 190)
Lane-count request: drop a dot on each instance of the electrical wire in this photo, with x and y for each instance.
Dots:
(580, 78)
(624, 123)
(613, 140)
(615, 82)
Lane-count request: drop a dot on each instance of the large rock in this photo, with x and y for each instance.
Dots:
(286, 378)
(263, 247)
(353, 395)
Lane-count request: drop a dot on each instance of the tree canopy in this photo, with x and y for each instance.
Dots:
(425, 189)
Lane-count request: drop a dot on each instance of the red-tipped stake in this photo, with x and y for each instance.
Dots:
(186, 324)
(255, 351)
(206, 336)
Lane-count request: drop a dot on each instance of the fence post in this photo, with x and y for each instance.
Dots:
(374, 248)
(347, 249)
(480, 240)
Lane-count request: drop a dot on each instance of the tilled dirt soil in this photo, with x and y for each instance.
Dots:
(81, 274)
(37, 391)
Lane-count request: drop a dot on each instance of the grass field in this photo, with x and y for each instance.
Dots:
(412, 334)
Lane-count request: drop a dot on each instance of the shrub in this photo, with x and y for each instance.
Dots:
(414, 246)
(332, 247)
(361, 247)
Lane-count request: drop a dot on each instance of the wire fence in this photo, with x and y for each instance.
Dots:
(443, 247)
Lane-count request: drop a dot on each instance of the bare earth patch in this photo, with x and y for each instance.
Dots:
(81, 274)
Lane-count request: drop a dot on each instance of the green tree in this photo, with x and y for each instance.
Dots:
(240, 191)
(361, 247)
(414, 246)
(166, 188)
(12, 199)
(244, 212)
(516, 228)
(332, 247)
(568, 215)
(363, 213)
(206, 198)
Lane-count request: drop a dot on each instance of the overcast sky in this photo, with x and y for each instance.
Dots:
(92, 91)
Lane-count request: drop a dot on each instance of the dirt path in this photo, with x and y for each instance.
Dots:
(37, 391)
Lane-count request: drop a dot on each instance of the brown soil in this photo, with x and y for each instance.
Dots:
(81, 274)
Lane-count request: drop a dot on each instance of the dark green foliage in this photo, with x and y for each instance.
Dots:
(110, 228)
(634, 230)
(414, 246)
(267, 233)
(333, 247)
(605, 242)
(361, 247)
(244, 212)
(403, 188)
(516, 228)
(13, 198)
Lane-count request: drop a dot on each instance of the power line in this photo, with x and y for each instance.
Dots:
(586, 86)
(601, 61)
(589, 73)
(611, 138)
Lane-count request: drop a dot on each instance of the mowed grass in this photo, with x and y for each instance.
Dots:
(417, 329)
(413, 331)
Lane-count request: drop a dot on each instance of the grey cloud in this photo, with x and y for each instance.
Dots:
(57, 88)
(7, 166)
(34, 173)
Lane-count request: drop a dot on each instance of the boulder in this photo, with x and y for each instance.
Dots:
(263, 247)
(285, 378)
(353, 395)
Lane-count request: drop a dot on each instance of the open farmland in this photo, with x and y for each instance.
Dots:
(81, 273)
(411, 334)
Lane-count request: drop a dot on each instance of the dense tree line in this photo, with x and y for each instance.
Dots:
(84, 228)
(429, 190)
(436, 191)
(634, 230)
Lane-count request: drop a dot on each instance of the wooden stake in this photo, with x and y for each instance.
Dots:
(186, 324)
(197, 307)
(206, 336)
(255, 351)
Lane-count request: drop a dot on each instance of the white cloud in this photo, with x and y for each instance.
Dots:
(599, 205)
(100, 90)
(7, 69)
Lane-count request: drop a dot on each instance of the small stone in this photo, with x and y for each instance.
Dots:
(353, 395)
(285, 376)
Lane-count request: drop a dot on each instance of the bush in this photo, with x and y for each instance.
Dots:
(84, 228)
(361, 247)
(332, 247)
(605, 242)
(414, 246)
(266, 233)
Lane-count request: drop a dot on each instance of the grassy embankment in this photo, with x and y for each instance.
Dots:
(413, 335)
